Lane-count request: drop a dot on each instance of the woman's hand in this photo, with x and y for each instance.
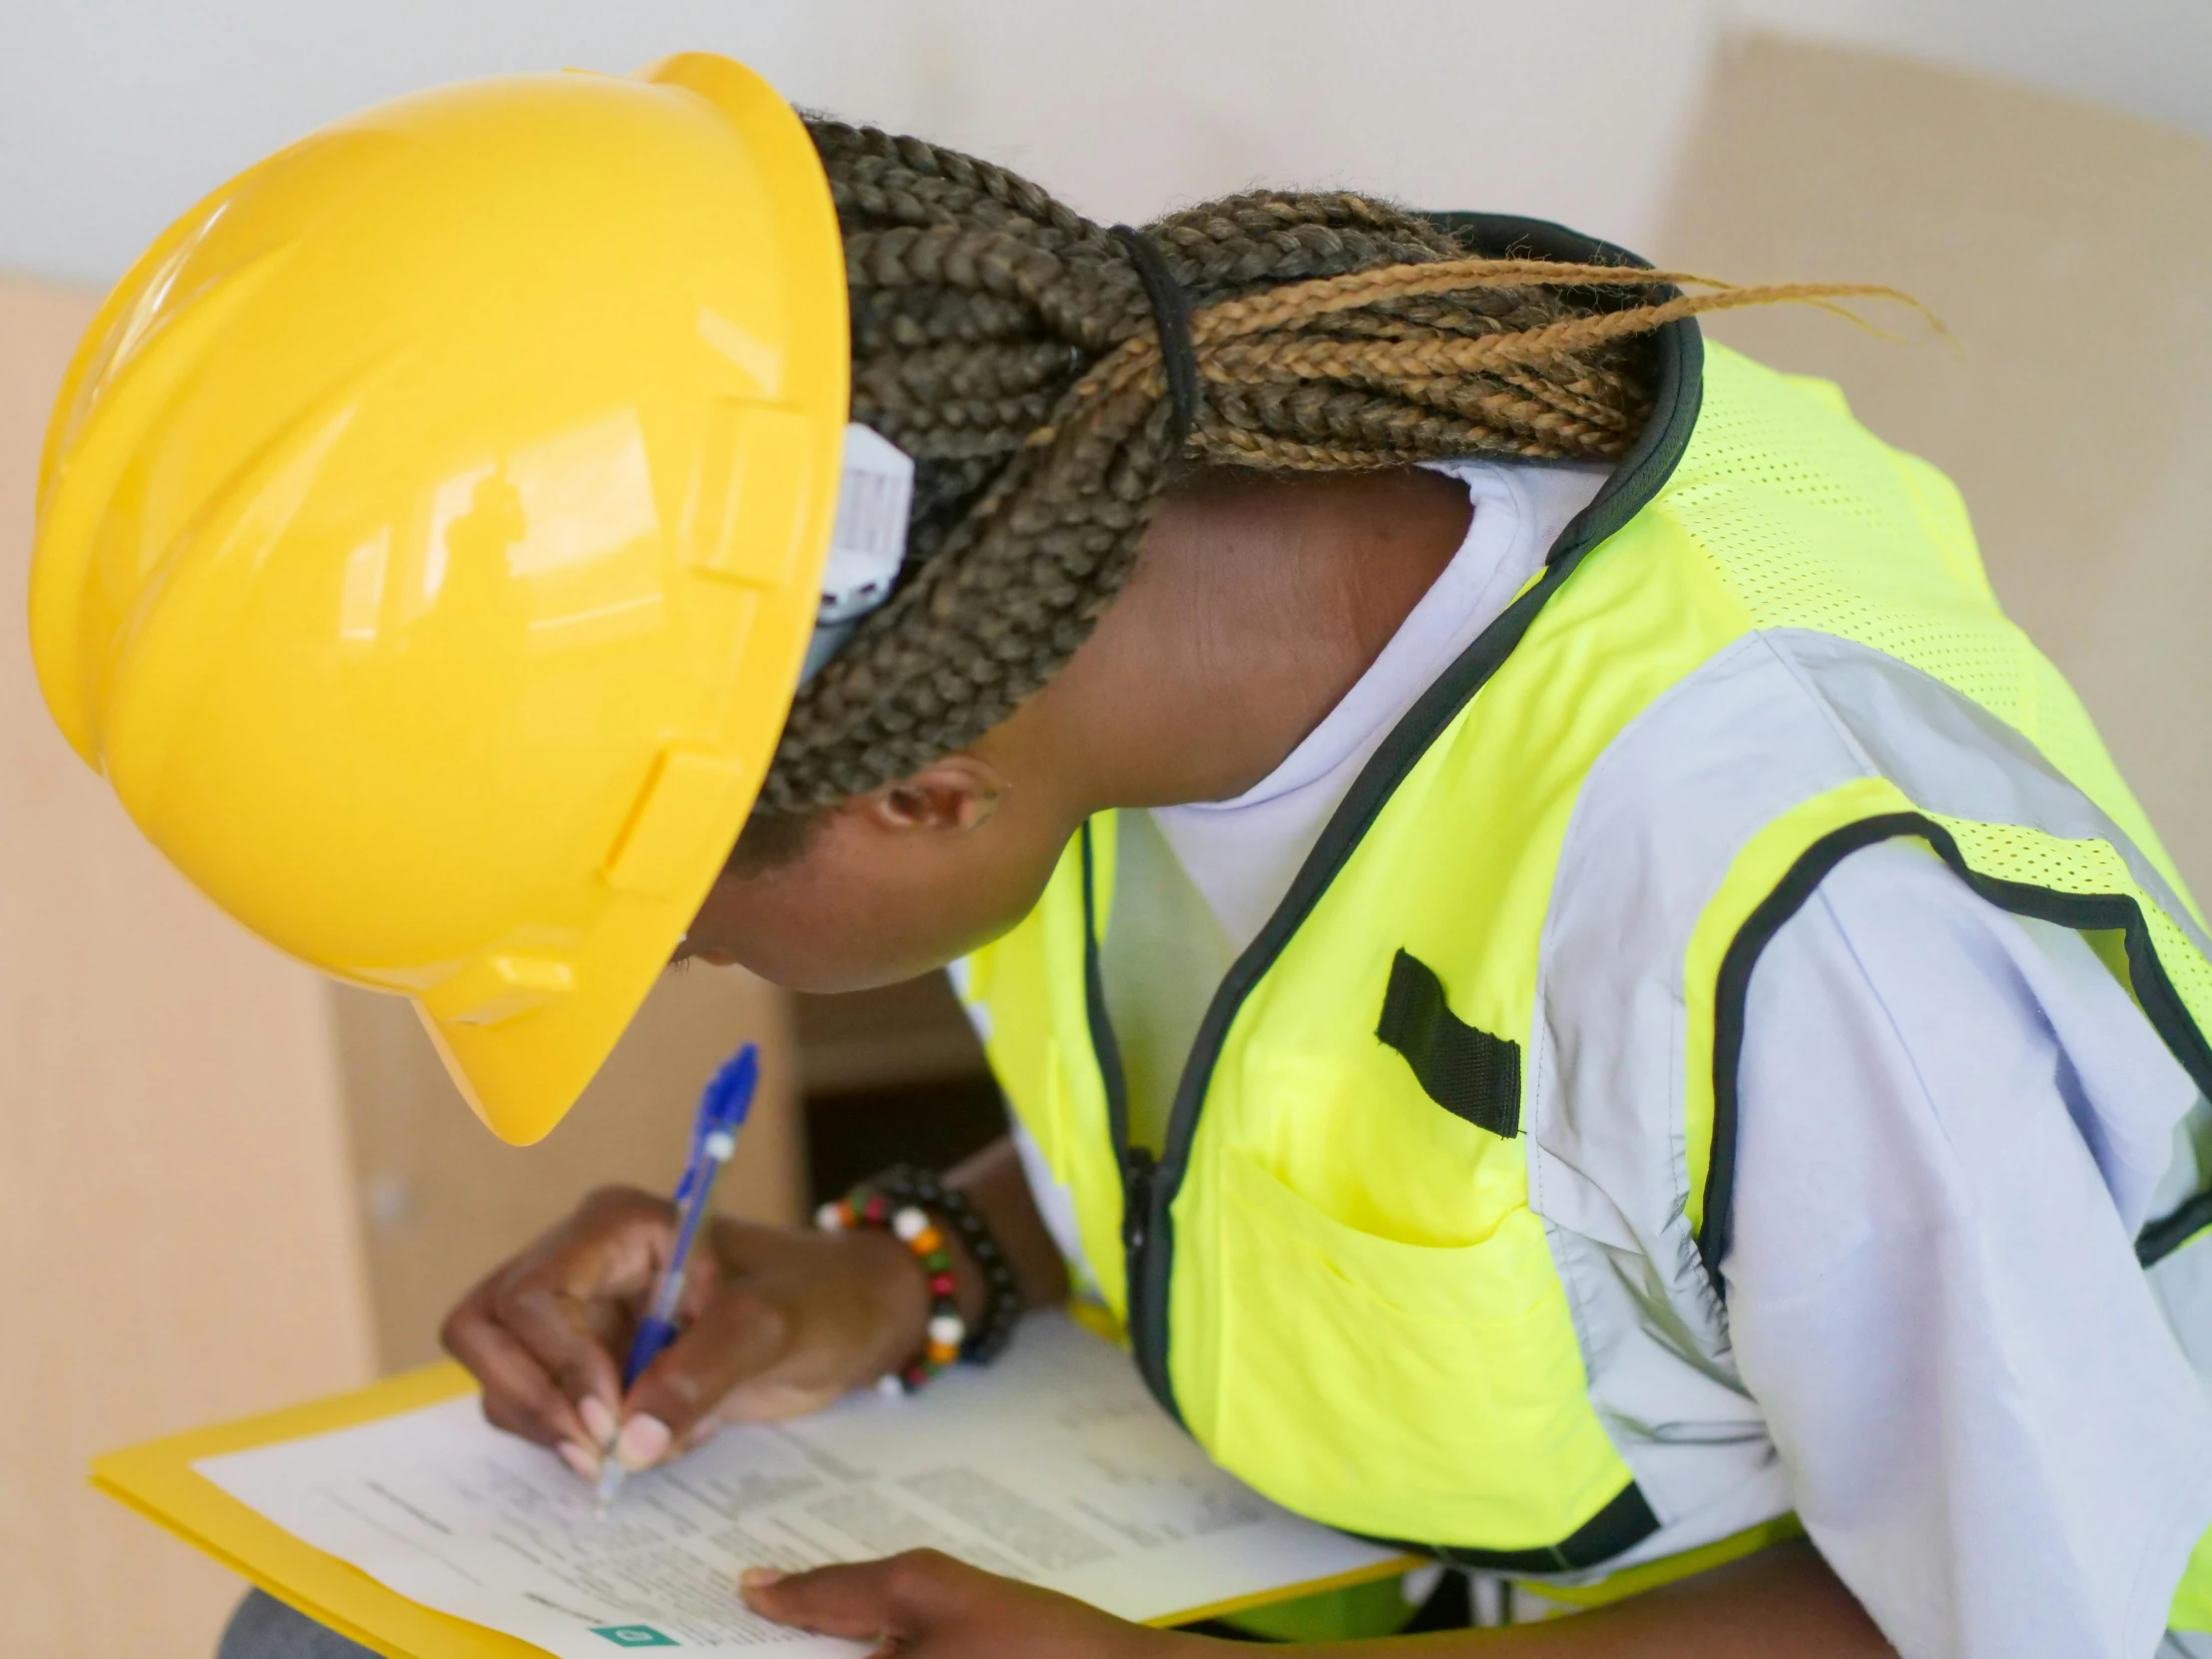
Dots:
(776, 1323)
(923, 1605)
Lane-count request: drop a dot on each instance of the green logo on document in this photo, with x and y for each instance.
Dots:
(634, 1635)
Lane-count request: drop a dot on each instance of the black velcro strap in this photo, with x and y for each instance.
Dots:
(1466, 1071)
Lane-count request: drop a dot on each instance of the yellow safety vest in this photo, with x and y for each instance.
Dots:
(1431, 1250)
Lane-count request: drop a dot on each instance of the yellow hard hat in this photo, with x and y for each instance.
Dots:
(429, 534)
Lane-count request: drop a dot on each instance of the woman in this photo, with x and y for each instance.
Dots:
(1586, 1000)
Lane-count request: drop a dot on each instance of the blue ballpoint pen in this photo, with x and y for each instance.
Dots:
(722, 1110)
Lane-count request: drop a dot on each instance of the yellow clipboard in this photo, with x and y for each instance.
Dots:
(159, 1482)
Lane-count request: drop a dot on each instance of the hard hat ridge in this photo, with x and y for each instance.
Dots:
(429, 534)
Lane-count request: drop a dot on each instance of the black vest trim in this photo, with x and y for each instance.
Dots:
(1462, 1067)
(1620, 1526)
(2161, 1238)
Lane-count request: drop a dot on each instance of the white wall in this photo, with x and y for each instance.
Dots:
(115, 115)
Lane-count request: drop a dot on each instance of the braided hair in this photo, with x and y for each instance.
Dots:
(1008, 345)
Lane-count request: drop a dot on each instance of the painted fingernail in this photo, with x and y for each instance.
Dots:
(599, 1422)
(760, 1578)
(643, 1442)
(580, 1459)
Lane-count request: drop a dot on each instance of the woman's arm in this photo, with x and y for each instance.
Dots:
(923, 1605)
(1783, 1601)
(995, 1183)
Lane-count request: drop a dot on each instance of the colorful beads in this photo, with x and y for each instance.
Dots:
(925, 1215)
(911, 1225)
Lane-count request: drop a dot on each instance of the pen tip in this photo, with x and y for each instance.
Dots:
(610, 1482)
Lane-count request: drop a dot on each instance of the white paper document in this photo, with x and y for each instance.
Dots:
(1052, 1465)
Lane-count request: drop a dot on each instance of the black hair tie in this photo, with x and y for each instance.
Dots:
(1171, 320)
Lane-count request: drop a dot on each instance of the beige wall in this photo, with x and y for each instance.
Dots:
(2068, 248)
(176, 1212)
(443, 1201)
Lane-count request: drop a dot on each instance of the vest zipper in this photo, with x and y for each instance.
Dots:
(1139, 1182)
(1137, 1167)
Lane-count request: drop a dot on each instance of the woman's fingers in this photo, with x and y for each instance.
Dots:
(897, 1602)
(775, 1323)
(739, 1334)
(923, 1605)
(562, 1335)
(519, 1395)
(537, 1333)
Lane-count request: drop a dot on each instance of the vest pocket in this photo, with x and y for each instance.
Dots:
(1433, 1394)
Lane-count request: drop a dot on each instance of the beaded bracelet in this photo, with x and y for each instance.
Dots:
(916, 1206)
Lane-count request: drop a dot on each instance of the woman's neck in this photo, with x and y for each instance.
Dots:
(1256, 605)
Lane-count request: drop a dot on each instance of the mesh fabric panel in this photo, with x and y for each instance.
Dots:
(2087, 867)
(1810, 521)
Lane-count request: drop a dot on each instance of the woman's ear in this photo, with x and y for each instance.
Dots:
(960, 792)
